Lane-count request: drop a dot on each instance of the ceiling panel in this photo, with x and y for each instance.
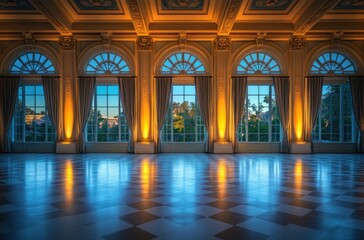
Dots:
(182, 4)
(16, 5)
(351, 5)
(270, 5)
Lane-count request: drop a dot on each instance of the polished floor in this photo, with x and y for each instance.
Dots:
(182, 196)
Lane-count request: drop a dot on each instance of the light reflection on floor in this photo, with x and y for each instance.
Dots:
(181, 196)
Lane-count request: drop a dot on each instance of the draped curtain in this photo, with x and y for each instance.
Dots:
(204, 90)
(281, 86)
(127, 95)
(239, 86)
(312, 100)
(357, 93)
(86, 86)
(8, 96)
(163, 95)
(52, 100)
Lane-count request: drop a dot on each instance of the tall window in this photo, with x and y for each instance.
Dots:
(31, 122)
(260, 122)
(335, 121)
(107, 121)
(183, 121)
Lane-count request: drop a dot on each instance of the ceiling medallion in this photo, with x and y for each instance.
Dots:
(297, 43)
(67, 42)
(222, 43)
(144, 43)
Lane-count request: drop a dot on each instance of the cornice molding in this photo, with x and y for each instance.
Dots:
(228, 21)
(67, 42)
(144, 43)
(137, 17)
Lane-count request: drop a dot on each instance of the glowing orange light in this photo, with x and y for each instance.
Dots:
(68, 181)
(145, 120)
(298, 169)
(298, 117)
(221, 119)
(147, 174)
(68, 117)
(223, 171)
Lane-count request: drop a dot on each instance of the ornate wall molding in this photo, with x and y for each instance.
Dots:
(316, 16)
(60, 27)
(144, 43)
(67, 42)
(136, 14)
(182, 40)
(297, 43)
(230, 16)
(105, 41)
(335, 39)
(222, 43)
(29, 41)
(259, 41)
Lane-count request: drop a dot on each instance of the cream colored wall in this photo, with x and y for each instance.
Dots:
(220, 64)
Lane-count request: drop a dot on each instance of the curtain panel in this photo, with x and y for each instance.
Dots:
(204, 91)
(312, 101)
(127, 96)
(8, 96)
(357, 94)
(52, 96)
(281, 86)
(239, 87)
(86, 90)
(163, 95)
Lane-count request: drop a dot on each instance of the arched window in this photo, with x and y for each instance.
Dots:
(32, 63)
(107, 63)
(335, 121)
(182, 63)
(31, 122)
(258, 63)
(332, 63)
(183, 121)
(260, 122)
(107, 121)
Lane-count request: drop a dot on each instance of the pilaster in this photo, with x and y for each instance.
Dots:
(221, 74)
(144, 71)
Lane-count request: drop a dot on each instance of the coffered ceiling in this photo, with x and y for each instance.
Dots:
(276, 19)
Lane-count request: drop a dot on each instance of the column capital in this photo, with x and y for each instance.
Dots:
(67, 42)
(222, 43)
(144, 43)
(297, 42)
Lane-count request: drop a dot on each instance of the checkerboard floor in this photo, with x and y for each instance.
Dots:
(182, 196)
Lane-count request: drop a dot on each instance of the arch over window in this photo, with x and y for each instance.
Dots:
(258, 63)
(182, 63)
(332, 63)
(32, 63)
(107, 63)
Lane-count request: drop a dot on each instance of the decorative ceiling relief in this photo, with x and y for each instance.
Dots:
(16, 5)
(182, 4)
(270, 4)
(351, 4)
(96, 4)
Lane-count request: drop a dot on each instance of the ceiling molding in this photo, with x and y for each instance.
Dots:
(312, 15)
(59, 22)
(229, 17)
(137, 17)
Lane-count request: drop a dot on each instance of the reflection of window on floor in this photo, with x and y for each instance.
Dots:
(335, 119)
(31, 121)
(183, 121)
(107, 122)
(260, 122)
